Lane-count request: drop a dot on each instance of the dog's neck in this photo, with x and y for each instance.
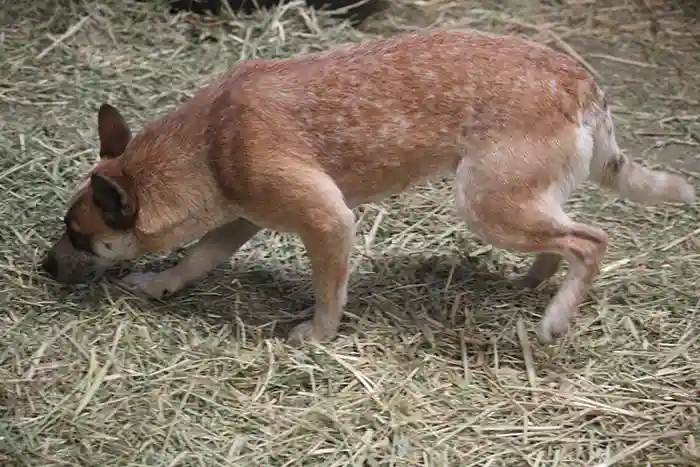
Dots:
(155, 162)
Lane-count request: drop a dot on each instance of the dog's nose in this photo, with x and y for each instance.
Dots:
(50, 265)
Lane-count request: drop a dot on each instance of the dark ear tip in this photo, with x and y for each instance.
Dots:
(106, 109)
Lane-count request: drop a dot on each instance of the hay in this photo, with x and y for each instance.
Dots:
(434, 365)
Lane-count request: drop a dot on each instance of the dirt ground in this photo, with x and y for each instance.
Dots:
(430, 368)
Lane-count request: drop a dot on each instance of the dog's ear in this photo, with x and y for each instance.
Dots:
(114, 132)
(118, 209)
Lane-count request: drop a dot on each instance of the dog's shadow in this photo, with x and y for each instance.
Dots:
(404, 293)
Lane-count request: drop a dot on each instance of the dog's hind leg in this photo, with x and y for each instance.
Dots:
(523, 213)
(211, 250)
(544, 267)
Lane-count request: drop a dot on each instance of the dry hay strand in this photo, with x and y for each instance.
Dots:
(434, 365)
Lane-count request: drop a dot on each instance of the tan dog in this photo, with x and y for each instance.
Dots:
(294, 145)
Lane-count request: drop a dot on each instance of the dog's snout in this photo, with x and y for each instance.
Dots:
(50, 264)
(65, 264)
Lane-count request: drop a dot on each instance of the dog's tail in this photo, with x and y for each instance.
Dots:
(615, 171)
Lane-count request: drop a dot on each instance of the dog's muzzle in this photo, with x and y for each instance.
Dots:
(65, 264)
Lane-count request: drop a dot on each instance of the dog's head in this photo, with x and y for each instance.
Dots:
(101, 214)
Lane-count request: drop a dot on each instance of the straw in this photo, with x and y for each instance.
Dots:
(436, 363)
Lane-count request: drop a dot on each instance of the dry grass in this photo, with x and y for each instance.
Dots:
(433, 366)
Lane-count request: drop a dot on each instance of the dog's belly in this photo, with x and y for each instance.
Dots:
(380, 167)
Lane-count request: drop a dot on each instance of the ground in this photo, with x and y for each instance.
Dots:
(436, 363)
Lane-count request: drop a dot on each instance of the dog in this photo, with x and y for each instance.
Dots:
(295, 144)
(355, 11)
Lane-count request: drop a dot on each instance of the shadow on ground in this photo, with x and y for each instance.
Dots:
(408, 291)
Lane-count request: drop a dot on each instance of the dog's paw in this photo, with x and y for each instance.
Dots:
(306, 332)
(150, 284)
(552, 327)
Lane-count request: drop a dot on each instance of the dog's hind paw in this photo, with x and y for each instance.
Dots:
(553, 327)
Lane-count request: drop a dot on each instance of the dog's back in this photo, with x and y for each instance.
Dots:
(418, 102)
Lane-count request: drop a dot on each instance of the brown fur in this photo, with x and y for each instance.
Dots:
(295, 144)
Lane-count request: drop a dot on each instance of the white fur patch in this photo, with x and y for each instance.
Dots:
(116, 248)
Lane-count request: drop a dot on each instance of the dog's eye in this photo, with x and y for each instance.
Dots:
(80, 241)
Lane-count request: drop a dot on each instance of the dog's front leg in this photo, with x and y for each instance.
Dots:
(211, 250)
(328, 234)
